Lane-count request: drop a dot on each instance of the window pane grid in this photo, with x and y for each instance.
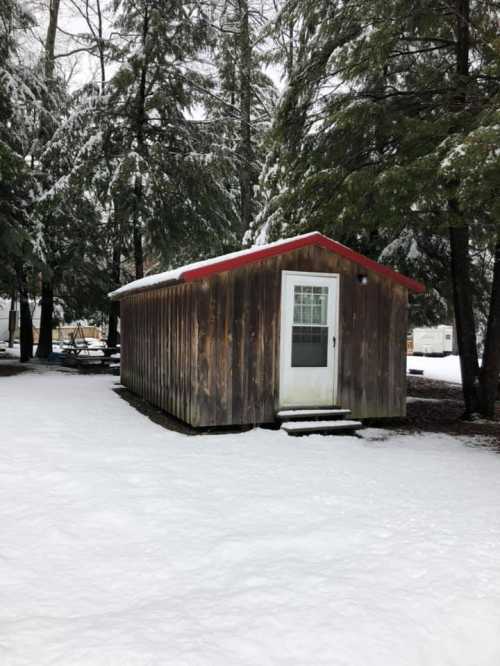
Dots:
(310, 305)
(310, 330)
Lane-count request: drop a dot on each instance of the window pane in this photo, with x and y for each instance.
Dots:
(309, 346)
(310, 305)
(317, 315)
(324, 306)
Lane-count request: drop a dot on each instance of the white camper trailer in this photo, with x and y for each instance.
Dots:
(433, 341)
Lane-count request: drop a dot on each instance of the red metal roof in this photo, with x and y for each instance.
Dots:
(228, 262)
(314, 238)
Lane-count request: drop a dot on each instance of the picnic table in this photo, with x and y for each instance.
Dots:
(87, 357)
(74, 350)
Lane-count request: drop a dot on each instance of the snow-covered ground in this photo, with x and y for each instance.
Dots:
(122, 543)
(446, 368)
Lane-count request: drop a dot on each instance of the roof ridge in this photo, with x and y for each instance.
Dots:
(204, 268)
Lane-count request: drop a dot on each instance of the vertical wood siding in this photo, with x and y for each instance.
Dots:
(156, 348)
(208, 351)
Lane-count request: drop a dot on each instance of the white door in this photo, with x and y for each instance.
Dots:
(309, 339)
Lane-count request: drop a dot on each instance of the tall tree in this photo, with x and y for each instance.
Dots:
(169, 178)
(100, 155)
(244, 96)
(20, 90)
(389, 128)
(246, 148)
(46, 130)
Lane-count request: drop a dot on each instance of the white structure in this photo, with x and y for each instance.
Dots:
(437, 340)
(4, 317)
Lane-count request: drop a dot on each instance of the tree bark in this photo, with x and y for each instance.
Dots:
(50, 40)
(114, 307)
(246, 151)
(12, 319)
(137, 231)
(100, 44)
(26, 323)
(491, 355)
(464, 316)
(139, 129)
(46, 320)
(114, 313)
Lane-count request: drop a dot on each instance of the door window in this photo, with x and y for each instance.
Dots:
(309, 329)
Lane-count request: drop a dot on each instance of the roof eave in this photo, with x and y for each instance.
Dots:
(267, 252)
(316, 239)
(118, 295)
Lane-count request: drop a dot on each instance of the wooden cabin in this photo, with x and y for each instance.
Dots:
(300, 323)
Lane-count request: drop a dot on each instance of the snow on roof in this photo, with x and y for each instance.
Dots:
(175, 274)
(202, 269)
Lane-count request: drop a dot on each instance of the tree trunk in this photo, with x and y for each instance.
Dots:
(137, 233)
(46, 129)
(46, 321)
(26, 332)
(114, 307)
(46, 318)
(464, 316)
(26, 324)
(459, 237)
(101, 45)
(12, 319)
(140, 121)
(114, 313)
(46, 126)
(246, 152)
(480, 391)
(289, 54)
(50, 40)
(491, 356)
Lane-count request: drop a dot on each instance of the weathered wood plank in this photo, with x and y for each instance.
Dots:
(208, 351)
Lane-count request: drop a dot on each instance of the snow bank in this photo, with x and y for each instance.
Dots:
(446, 368)
(123, 543)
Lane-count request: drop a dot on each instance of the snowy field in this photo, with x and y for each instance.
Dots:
(125, 544)
(447, 368)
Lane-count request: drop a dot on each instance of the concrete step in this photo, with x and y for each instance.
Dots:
(305, 427)
(296, 414)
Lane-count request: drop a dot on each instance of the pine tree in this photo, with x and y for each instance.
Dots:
(47, 120)
(389, 129)
(20, 89)
(244, 95)
(167, 179)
